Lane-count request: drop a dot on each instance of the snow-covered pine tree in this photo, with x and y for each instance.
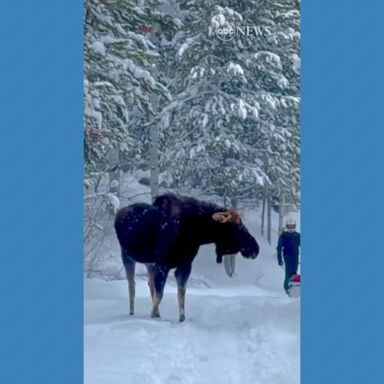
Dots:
(276, 67)
(205, 133)
(233, 127)
(119, 86)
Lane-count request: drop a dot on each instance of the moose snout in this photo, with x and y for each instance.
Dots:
(250, 252)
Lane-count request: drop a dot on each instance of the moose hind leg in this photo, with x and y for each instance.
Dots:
(151, 285)
(182, 275)
(129, 265)
(160, 277)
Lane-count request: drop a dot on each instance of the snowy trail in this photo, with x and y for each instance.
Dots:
(245, 335)
(243, 330)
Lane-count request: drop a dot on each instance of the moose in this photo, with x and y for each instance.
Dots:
(167, 235)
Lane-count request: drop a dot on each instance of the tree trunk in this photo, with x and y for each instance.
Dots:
(154, 142)
(230, 260)
(281, 212)
(269, 219)
(114, 180)
(114, 174)
(263, 215)
(154, 161)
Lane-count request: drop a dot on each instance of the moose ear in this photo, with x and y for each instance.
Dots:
(229, 216)
(221, 217)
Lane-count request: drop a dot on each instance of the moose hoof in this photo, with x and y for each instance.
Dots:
(155, 314)
(131, 313)
(181, 318)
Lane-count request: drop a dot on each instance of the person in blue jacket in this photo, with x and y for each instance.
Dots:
(288, 249)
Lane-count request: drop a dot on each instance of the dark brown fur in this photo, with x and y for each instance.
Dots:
(168, 234)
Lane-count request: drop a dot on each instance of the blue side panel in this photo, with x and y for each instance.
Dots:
(41, 158)
(342, 192)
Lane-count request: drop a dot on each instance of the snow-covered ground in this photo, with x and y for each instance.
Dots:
(242, 330)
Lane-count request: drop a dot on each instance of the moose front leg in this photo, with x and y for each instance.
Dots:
(159, 279)
(182, 275)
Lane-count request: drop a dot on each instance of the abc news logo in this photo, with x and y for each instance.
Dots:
(228, 31)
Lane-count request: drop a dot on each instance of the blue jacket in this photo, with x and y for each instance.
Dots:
(288, 244)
